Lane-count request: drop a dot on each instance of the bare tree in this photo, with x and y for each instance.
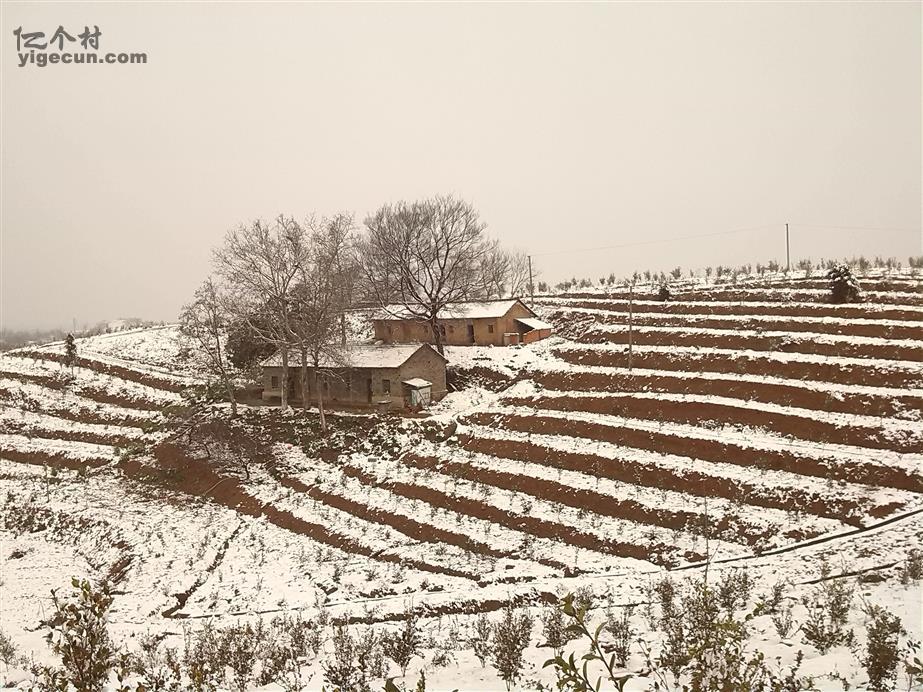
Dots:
(503, 273)
(422, 257)
(494, 269)
(518, 275)
(204, 322)
(259, 264)
(325, 286)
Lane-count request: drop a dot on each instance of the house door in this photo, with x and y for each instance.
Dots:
(471, 333)
(368, 387)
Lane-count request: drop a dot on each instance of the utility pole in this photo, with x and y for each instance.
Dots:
(531, 285)
(788, 257)
(631, 295)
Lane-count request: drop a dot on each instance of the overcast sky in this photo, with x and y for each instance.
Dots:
(570, 127)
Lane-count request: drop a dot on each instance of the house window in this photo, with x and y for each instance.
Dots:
(390, 330)
(490, 328)
(274, 382)
(386, 386)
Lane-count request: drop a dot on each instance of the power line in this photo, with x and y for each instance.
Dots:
(654, 242)
(900, 229)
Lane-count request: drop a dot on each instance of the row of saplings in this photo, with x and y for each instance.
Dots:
(844, 287)
(701, 633)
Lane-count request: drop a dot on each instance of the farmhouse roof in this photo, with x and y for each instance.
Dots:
(357, 355)
(534, 323)
(454, 311)
(418, 382)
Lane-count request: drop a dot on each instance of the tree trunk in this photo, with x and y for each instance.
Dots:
(343, 329)
(231, 398)
(304, 381)
(284, 378)
(437, 336)
(320, 402)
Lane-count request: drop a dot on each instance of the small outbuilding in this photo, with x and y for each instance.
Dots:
(483, 323)
(384, 376)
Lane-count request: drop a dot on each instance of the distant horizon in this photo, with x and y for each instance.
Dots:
(699, 273)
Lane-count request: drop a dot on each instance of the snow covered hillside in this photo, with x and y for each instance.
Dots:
(753, 427)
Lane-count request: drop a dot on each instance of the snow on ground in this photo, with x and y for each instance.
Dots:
(179, 556)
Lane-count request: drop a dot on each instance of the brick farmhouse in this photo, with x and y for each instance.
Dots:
(402, 376)
(490, 323)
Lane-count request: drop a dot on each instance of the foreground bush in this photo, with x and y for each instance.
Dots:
(77, 633)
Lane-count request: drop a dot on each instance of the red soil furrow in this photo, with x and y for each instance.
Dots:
(767, 392)
(772, 344)
(407, 526)
(16, 428)
(689, 482)
(701, 412)
(93, 393)
(119, 371)
(750, 323)
(730, 527)
(518, 522)
(731, 363)
(54, 459)
(82, 415)
(781, 309)
(850, 471)
(178, 472)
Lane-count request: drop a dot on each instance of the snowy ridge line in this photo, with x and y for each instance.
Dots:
(901, 406)
(55, 402)
(842, 419)
(752, 439)
(818, 320)
(359, 531)
(50, 422)
(113, 335)
(589, 501)
(762, 515)
(882, 436)
(57, 434)
(747, 435)
(531, 509)
(779, 481)
(834, 388)
(165, 350)
(297, 518)
(115, 396)
(86, 382)
(870, 529)
(495, 541)
(587, 520)
(908, 366)
(76, 449)
(835, 339)
(124, 369)
(18, 448)
(756, 305)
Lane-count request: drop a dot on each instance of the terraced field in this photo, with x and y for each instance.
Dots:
(757, 425)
